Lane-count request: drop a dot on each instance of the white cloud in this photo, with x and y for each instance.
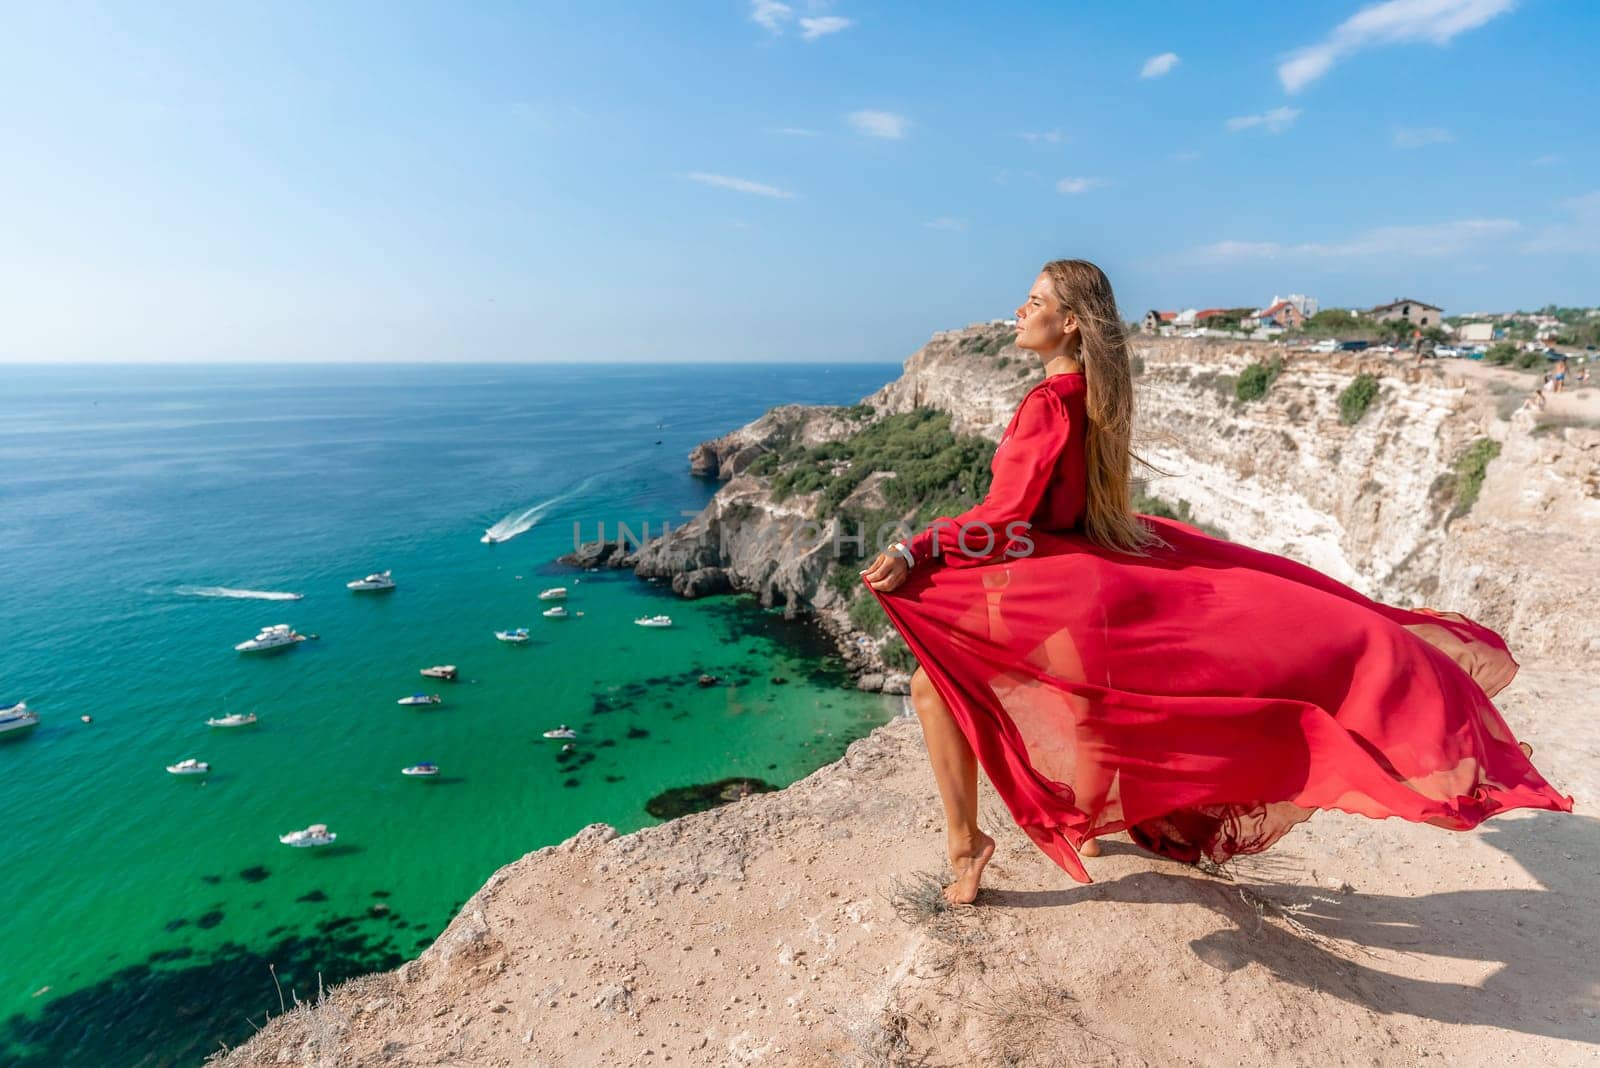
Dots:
(1417, 137)
(1392, 22)
(1049, 137)
(1451, 238)
(773, 16)
(946, 222)
(1073, 186)
(1275, 121)
(1578, 233)
(770, 15)
(884, 124)
(739, 185)
(1546, 160)
(812, 28)
(1156, 66)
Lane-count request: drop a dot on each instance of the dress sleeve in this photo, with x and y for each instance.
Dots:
(1024, 463)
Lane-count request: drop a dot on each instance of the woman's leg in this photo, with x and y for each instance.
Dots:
(955, 769)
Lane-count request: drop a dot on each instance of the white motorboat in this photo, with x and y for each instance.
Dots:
(558, 612)
(277, 636)
(315, 835)
(422, 770)
(447, 672)
(514, 637)
(234, 720)
(17, 717)
(422, 699)
(491, 538)
(562, 731)
(554, 593)
(373, 583)
(189, 767)
(654, 621)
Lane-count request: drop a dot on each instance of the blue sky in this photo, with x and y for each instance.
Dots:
(766, 181)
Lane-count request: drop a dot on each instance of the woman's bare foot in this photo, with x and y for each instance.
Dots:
(1090, 848)
(968, 860)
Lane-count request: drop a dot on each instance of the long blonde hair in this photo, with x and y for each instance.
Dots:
(1109, 520)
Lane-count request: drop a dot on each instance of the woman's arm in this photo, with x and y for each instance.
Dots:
(1023, 466)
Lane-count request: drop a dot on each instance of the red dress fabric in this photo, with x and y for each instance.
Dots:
(1206, 697)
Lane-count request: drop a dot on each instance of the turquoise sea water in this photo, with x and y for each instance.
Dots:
(142, 911)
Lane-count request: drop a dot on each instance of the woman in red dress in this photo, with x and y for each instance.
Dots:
(1113, 671)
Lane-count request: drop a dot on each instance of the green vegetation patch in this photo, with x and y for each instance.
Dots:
(1256, 379)
(936, 472)
(1470, 468)
(1147, 505)
(1500, 353)
(1357, 398)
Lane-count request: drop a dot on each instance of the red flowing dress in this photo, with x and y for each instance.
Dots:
(1206, 697)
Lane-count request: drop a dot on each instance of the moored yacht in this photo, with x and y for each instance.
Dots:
(558, 612)
(315, 835)
(189, 767)
(654, 621)
(373, 583)
(447, 672)
(277, 636)
(562, 731)
(554, 593)
(422, 770)
(17, 717)
(234, 720)
(422, 699)
(513, 637)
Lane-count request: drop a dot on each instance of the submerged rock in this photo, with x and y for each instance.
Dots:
(682, 800)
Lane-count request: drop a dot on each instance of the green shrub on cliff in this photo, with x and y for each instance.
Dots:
(1357, 398)
(1501, 353)
(897, 655)
(866, 615)
(1470, 468)
(927, 459)
(1256, 379)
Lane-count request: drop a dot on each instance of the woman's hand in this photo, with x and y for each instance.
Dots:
(887, 572)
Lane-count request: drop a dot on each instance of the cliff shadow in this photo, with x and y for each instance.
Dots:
(1542, 942)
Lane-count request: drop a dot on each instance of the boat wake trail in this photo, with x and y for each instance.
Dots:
(224, 591)
(524, 519)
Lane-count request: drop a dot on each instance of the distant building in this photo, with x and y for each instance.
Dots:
(1412, 311)
(1306, 306)
(1200, 317)
(1155, 320)
(1185, 317)
(1282, 314)
(1475, 332)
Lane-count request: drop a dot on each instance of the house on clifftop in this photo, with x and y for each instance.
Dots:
(1414, 312)
(1155, 320)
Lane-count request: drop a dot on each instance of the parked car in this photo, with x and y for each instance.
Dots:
(1327, 344)
(1353, 346)
(1446, 352)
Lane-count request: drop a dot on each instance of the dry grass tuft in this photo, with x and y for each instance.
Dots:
(1036, 1023)
(1285, 913)
(880, 1042)
(919, 897)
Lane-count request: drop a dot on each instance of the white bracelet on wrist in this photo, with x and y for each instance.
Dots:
(900, 549)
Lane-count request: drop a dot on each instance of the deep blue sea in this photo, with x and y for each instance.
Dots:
(148, 517)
